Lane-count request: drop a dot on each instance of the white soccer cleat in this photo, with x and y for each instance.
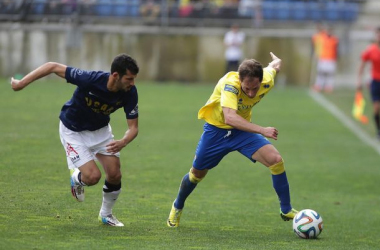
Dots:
(76, 190)
(110, 220)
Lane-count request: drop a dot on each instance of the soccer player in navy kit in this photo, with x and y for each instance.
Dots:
(84, 124)
(228, 128)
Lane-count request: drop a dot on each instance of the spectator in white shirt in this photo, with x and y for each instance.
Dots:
(233, 41)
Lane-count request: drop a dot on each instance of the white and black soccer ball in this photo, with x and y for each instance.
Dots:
(307, 224)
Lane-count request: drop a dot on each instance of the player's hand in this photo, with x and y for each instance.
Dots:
(16, 84)
(115, 146)
(275, 63)
(270, 132)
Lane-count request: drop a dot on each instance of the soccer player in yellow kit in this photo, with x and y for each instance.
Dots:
(228, 128)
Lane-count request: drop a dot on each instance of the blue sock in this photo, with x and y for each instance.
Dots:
(184, 191)
(281, 185)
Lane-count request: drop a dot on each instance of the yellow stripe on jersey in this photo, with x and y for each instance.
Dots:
(227, 93)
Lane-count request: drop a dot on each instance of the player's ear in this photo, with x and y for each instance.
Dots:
(115, 75)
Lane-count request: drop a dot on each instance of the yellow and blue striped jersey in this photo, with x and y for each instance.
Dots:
(228, 93)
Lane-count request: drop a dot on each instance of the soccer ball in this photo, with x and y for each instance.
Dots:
(307, 224)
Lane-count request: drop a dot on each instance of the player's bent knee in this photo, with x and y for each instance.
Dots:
(277, 159)
(277, 168)
(93, 179)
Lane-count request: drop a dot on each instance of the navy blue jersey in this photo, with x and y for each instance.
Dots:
(92, 103)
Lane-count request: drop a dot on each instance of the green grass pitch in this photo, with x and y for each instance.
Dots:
(235, 207)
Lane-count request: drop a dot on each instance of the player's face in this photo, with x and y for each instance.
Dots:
(250, 86)
(127, 81)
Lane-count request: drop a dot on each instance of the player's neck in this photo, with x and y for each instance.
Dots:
(111, 85)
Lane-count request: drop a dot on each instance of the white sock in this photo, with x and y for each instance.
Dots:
(75, 175)
(109, 200)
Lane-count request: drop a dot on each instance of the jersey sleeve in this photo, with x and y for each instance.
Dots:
(229, 95)
(79, 77)
(366, 55)
(131, 108)
(269, 74)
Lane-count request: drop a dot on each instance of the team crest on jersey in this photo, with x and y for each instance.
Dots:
(231, 89)
(72, 153)
(266, 86)
(240, 101)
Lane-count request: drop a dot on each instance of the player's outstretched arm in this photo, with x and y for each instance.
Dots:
(43, 70)
(275, 63)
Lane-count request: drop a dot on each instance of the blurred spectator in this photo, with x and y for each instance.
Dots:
(87, 7)
(150, 10)
(173, 6)
(218, 3)
(11, 7)
(38, 7)
(233, 40)
(6, 7)
(327, 54)
(229, 9)
(251, 9)
(317, 40)
(204, 8)
(104, 8)
(185, 8)
(54, 7)
(68, 6)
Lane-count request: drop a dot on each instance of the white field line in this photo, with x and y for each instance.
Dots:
(346, 121)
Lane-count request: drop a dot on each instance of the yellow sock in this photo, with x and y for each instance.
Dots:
(277, 168)
(193, 178)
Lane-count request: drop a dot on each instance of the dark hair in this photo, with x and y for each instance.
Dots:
(250, 68)
(122, 63)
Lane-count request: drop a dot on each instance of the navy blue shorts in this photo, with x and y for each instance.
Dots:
(375, 90)
(215, 143)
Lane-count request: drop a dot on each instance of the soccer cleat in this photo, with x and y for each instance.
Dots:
(76, 190)
(289, 216)
(110, 220)
(174, 216)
